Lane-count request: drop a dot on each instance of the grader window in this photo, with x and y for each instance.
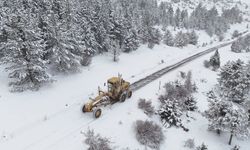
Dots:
(110, 87)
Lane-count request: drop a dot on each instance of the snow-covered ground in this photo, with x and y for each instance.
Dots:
(52, 119)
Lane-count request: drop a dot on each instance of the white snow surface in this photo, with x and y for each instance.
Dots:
(51, 119)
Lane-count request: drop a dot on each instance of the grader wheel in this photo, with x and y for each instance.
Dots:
(83, 109)
(123, 97)
(129, 94)
(97, 112)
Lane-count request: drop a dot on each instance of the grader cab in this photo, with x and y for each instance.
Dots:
(118, 91)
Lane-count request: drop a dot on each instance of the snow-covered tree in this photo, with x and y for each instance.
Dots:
(174, 91)
(237, 124)
(154, 37)
(233, 81)
(181, 39)
(114, 50)
(184, 23)
(168, 38)
(217, 110)
(64, 46)
(223, 116)
(190, 103)
(215, 60)
(247, 68)
(163, 14)
(237, 46)
(198, 17)
(96, 142)
(84, 21)
(24, 49)
(170, 113)
(188, 83)
(193, 38)
(232, 15)
(235, 34)
(177, 17)
(247, 43)
(202, 147)
(181, 93)
(170, 15)
(131, 42)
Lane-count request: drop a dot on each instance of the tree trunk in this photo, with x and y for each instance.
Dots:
(115, 56)
(218, 131)
(230, 140)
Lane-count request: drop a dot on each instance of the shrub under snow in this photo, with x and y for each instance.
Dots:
(202, 147)
(189, 143)
(96, 142)
(149, 134)
(146, 106)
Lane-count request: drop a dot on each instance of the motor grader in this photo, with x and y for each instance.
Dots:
(118, 91)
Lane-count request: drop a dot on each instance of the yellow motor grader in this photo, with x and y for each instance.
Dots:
(118, 91)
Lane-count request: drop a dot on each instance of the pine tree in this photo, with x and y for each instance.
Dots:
(235, 34)
(237, 124)
(170, 113)
(168, 38)
(215, 60)
(223, 116)
(193, 38)
(154, 37)
(170, 14)
(217, 110)
(198, 17)
(188, 82)
(190, 103)
(247, 68)
(246, 43)
(232, 15)
(233, 81)
(24, 50)
(177, 17)
(131, 42)
(64, 48)
(181, 39)
(163, 14)
(184, 19)
(237, 46)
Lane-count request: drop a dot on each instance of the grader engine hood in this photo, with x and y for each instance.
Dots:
(92, 103)
(88, 106)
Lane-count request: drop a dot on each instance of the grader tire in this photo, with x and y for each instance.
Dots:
(130, 94)
(122, 97)
(83, 109)
(97, 113)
